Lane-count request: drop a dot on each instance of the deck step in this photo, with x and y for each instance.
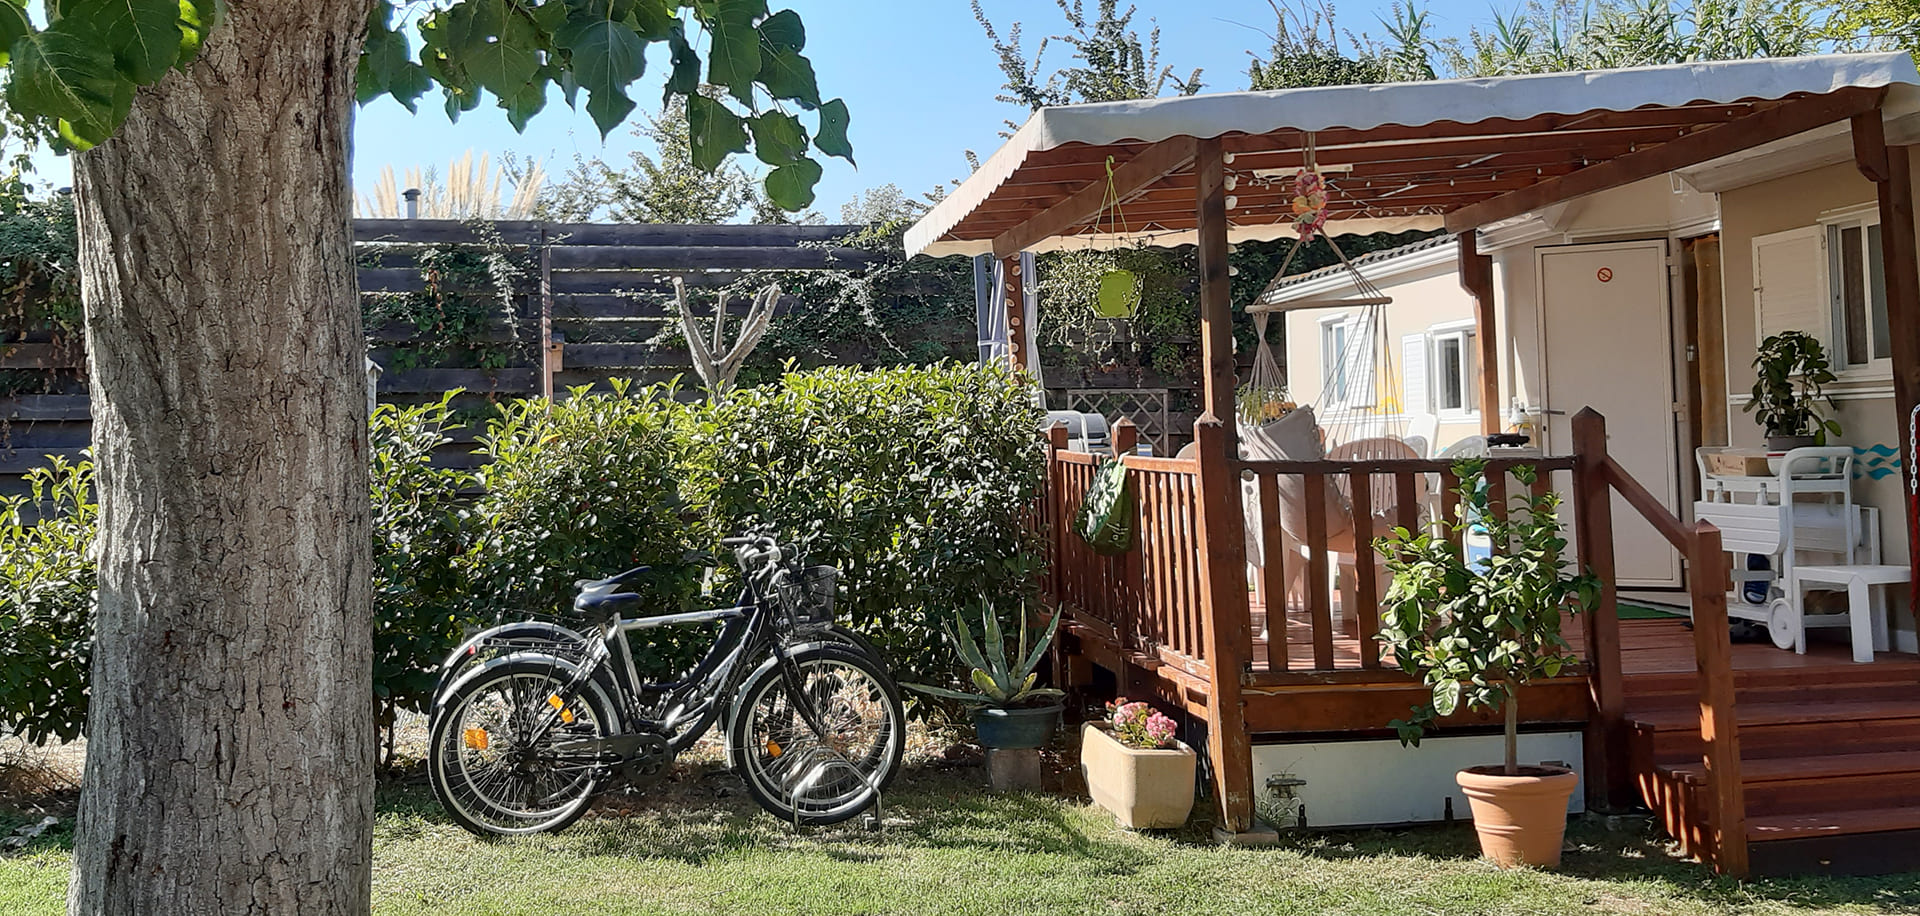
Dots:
(1766, 714)
(1832, 823)
(1828, 766)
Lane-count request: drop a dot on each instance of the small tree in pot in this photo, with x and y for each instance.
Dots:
(1793, 373)
(1475, 633)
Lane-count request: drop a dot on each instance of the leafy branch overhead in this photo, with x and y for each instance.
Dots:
(77, 72)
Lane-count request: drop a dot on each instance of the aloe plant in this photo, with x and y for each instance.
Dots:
(1000, 683)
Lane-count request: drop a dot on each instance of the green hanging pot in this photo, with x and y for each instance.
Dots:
(1119, 294)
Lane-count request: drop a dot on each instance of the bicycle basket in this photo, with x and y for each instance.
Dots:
(809, 600)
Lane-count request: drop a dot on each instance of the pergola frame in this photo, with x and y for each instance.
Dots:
(1460, 176)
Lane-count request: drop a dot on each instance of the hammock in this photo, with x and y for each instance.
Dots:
(1362, 395)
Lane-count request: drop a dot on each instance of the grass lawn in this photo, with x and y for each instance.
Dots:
(952, 848)
(957, 849)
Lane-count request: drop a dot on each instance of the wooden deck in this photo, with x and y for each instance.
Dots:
(1808, 762)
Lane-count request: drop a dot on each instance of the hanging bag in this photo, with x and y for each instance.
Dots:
(1106, 517)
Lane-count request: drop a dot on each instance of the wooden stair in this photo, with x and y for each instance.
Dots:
(1829, 760)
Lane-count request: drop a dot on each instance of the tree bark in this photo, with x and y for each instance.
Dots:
(230, 742)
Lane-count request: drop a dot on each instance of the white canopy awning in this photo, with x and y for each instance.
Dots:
(1508, 106)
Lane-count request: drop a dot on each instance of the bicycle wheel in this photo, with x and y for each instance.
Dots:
(825, 778)
(494, 642)
(499, 759)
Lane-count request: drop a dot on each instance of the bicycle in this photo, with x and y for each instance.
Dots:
(538, 717)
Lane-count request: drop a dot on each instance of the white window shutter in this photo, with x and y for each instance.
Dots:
(1790, 283)
(1413, 368)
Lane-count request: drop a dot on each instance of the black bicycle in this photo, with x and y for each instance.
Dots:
(534, 718)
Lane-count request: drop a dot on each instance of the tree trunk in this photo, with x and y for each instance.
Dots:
(230, 743)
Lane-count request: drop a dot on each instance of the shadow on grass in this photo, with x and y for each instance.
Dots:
(928, 808)
(1641, 854)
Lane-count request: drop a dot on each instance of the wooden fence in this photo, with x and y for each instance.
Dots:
(594, 298)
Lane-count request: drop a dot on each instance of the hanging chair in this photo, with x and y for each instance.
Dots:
(1368, 402)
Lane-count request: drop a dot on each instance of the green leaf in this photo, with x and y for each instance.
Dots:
(523, 105)
(989, 686)
(13, 27)
(713, 131)
(790, 187)
(70, 78)
(1446, 697)
(945, 694)
(653, 19)
(831, 138)
(505, 62)
(608, 108)
(996, 642)
(606, 56)
(198, 19)
(733, 61)
(788, 75)
(387, 67)
(1040, 648)
(144, 36)
(784, 31)
(778, 138)
(684, 81)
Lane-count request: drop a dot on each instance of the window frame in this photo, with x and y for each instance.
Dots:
(1865, 218)
(1463, 333)
(1330, 361)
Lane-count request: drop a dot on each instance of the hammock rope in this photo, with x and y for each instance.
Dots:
(1363, 367)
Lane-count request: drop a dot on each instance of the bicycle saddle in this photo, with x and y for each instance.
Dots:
(603, 596)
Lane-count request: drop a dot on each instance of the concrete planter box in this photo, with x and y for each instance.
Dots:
(1143, 789)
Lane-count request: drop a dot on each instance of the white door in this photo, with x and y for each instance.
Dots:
(1608, 345)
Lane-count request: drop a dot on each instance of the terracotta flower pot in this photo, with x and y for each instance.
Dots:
(1521, 819)
(1143, 788)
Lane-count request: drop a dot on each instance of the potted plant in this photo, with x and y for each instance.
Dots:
(1136, 768)
(1793, 372)
(1009, 712)
(1475, 632)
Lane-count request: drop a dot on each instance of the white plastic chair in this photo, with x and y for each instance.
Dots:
(1384, 503)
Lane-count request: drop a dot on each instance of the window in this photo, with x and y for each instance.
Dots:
(1450, 384)
(1451, 369)
(1857, 293)
(1335, 361)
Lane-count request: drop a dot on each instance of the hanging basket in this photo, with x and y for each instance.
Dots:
(1118, 296)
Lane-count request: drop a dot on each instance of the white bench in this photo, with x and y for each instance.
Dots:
(1866, 612)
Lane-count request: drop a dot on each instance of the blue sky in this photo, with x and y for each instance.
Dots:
(918, 75)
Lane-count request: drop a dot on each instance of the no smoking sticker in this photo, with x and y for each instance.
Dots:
(1605, 274)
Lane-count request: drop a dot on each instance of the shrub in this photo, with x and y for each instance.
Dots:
(583, 488)
(46, 603)
(916, 482)
(422, 601)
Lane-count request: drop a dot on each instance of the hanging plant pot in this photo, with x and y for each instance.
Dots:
(1118, 296)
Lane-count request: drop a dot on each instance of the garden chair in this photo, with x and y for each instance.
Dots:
(1384, 503)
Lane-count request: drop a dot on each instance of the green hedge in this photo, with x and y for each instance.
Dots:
(914, 481)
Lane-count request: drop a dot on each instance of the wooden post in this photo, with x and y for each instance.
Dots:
(1609, 780)
(1226, 619)
(1216, 294)
(1891, 171)
(547, 349)
(1719, 729)
(1126, 439)
(1476, 277)
(1013, 296)
(1057, 521)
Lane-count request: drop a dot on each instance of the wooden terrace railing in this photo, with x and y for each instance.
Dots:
(1597, 477)
(1161, 609)
(1397, 483)
(1144, 607)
